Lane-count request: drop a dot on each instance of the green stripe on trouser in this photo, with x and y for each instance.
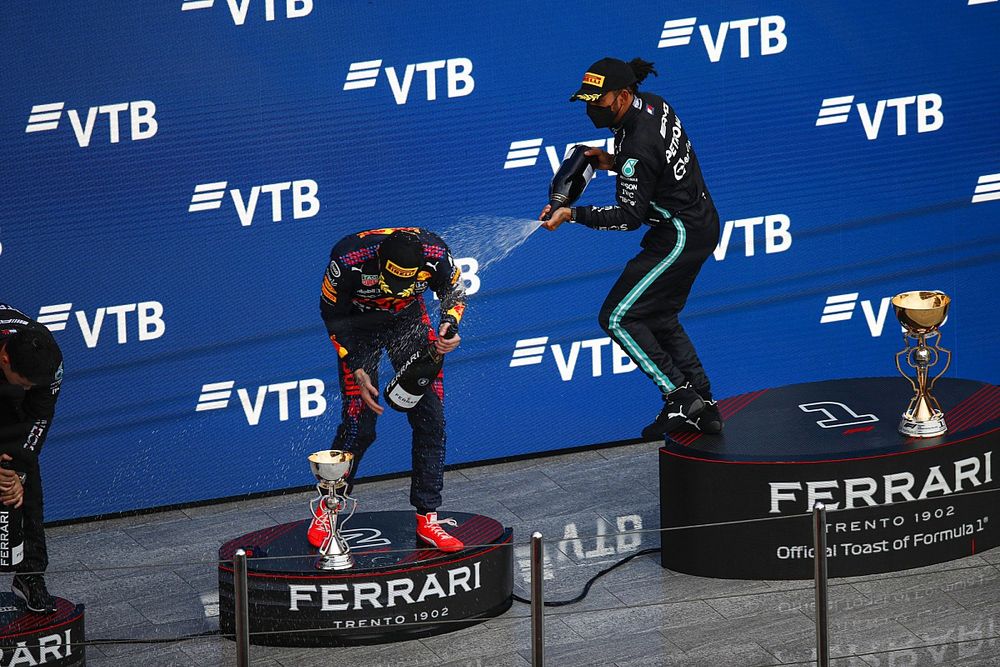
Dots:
(631, 347)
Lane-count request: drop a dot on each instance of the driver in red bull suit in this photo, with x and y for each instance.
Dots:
(372, 300)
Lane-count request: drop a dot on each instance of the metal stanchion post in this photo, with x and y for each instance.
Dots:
(242, 611)
(819, 574)
(537, 602)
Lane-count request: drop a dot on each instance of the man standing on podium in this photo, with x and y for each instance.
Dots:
(31, 365)
(660, 185)
(372, 299)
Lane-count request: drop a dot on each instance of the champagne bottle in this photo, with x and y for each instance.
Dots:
(415, 376)
(11, 533)
(571, 179)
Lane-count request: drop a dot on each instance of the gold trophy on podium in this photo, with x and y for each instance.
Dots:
(921, 315)
(331, 468)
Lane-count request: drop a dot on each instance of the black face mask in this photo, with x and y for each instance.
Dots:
(601, 116)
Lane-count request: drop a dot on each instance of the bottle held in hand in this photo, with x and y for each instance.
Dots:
(415, 376)
(11, 534)
(571, 179)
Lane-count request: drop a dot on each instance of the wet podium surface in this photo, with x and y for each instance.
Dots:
(894, 502)
(27, 638)
(396, 590)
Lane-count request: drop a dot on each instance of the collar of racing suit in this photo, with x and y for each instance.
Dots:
(629, 118)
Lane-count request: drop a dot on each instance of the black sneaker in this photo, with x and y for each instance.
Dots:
(31, 589)
(679, 406)
(708, 420)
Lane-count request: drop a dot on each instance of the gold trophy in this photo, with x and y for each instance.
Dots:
(331, 468)
(921, 314)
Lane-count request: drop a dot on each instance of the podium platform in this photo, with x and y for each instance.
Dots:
(397, 590)
(905, 502)
(53, 640)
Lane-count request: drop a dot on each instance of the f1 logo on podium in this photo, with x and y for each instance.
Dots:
(836, 415)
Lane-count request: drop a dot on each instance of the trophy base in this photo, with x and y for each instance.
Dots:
(844, 432)
(335, 562)
(930, 428)
(398, 589)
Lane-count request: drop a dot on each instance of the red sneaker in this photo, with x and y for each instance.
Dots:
(429, 530)
(319, 527)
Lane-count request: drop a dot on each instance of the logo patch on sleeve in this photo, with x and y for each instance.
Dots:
(628, 169)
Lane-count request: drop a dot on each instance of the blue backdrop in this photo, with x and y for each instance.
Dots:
(175, 173)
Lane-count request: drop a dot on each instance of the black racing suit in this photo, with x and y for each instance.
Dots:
(25, 418)
(362, 321)
(660, 185)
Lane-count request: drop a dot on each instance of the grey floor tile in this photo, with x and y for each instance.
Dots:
(684, 617)
(116, 620)
(157, 656)
(729, 654)
(498, 637)
(505, 660)
(605, 650)
(968, 586)
(973, 653)
(207, 529)
(834, 662)
(130, 641)
(94, 591)
(403, 654)
(729, 597)
(786, 635)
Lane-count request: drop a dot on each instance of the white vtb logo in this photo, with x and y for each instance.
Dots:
(458, 77)
(141, 119)
(929, 117)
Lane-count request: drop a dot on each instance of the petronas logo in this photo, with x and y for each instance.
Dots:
(629, 169)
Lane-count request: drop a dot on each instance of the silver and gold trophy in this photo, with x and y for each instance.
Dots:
(922, 314)
(331, 468)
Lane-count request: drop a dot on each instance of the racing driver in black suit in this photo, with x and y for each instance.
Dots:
(659, 185)
(372, 299)
(30, 378)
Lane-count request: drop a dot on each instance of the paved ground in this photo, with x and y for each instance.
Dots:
(638, 615)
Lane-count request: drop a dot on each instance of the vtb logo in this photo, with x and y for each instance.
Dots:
(774, 230)
(926, 111)
(311, 402)
(145, 319)
(840, 307)
(771, 29)
(525, 153)
(457, 76)
(987, 189)
(238, 9)
(305, 203)
(141, 118)
(531, 351)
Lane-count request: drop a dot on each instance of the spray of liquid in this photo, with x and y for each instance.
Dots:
(489, 238)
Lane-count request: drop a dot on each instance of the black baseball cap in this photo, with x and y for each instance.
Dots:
(34, 354)
(399, 258)
(604, 75)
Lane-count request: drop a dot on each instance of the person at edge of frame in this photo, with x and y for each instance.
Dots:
(372, 300)
(31, 364)
(659, 184)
